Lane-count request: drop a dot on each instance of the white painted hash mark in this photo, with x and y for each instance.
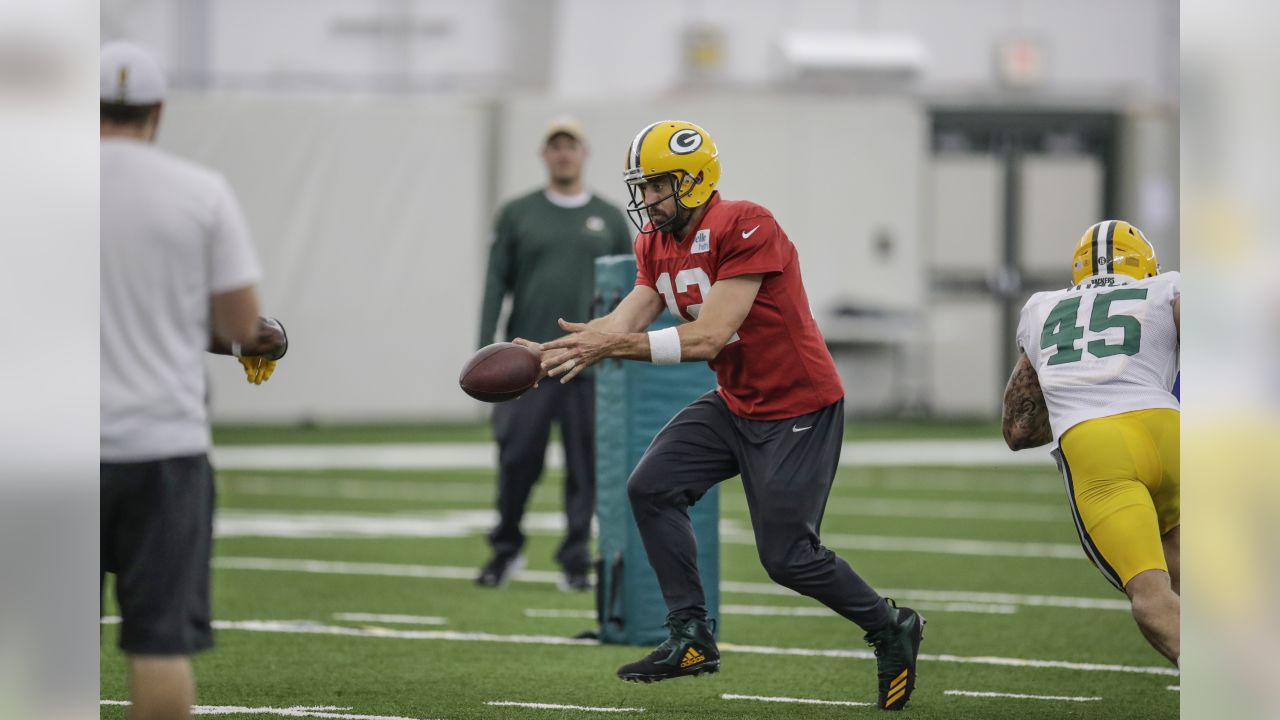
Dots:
(816, 611)
(426, 456)
(394, 619)
(1020, 696)
(554, 706)
(318, 711)
(328, 567)
(308, 627)
(549, 613)
(803, 701)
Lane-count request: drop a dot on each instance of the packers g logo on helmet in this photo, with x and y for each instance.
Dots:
(1113, 247)
(676, 150)
(684, 142)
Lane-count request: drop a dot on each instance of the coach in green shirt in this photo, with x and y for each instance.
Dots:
(544, 248)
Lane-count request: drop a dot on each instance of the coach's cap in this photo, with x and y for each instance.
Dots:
(129, 75)
(565, 125)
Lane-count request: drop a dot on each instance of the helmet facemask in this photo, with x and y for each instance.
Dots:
(681, 184)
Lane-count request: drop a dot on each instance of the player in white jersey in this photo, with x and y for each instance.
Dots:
(1095, 376)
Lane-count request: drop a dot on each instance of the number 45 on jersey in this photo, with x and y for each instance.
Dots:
(1061, 331)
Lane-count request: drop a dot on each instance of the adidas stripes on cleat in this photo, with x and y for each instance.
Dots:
(690, 650)
(897, 647)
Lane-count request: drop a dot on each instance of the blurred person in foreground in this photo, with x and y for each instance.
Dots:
(777, 417)
(543, 255)
(178, 276)
(1095, 374)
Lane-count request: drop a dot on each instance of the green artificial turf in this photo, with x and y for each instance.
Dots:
(466, 432)
(441, 678)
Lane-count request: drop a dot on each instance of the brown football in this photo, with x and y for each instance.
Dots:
(501, 371)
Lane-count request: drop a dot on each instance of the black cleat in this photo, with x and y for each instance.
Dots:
(897, 647)
(574, 581)
(498, 571)
(690, 650)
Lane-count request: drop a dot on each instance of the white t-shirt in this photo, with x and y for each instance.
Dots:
(172, 234)
(1104, 347)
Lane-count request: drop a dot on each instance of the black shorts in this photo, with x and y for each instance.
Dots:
(157, 537)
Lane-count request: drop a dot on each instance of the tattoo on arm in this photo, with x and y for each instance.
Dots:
(1025, 418)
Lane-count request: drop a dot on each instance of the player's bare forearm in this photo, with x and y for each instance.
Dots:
(698, 343)
(586, 346)
(270, 341)
(1025, 418)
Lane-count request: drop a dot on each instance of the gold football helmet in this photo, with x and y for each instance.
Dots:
(680, 152)
(1110, 247)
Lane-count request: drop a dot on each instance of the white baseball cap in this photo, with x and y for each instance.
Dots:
(129, 75)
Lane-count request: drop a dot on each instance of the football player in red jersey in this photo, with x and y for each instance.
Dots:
(777, 417)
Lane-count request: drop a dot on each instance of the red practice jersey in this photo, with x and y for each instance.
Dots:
(777, 365)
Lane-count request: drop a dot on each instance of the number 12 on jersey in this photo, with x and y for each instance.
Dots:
(1061, 331)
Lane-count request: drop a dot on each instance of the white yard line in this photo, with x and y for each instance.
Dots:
(802, 701)
(554, 706)
(319, 711)
(310, 627)
(330, 567)
(1175, 688)
(953, 480)
(394, 619)
(1020, 696)
(966, 660)
(821, 611)
(816, 611)
(943, 546)
(475, 522)
(357, 488)
(1056, 601)
(421, 456)
(565, 614)
(948, 509)
(432, 493)
(458, 523)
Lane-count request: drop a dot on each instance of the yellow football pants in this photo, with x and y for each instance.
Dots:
(1122, 479)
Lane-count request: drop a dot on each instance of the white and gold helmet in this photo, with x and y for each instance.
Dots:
(1110, 247)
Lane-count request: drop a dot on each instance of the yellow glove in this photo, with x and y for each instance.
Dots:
(258, 369)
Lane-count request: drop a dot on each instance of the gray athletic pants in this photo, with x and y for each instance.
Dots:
(787, 468)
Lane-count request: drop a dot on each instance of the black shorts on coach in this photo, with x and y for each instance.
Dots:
(157, 537)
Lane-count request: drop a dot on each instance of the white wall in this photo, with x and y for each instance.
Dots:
(1118, 52)
(372, 216)
(368, 217)
(1095, 49)
(330, 45)
(836, 172)
(370, 181)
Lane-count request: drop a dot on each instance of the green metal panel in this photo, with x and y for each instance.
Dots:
(634, 400)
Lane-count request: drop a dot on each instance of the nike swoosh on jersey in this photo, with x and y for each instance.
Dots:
(748, 233)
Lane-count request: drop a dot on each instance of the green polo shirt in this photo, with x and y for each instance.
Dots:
(544, 256)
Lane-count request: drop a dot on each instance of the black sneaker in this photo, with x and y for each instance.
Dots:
(690, 650)
(896, 649)
(499, 570)
(575, 581)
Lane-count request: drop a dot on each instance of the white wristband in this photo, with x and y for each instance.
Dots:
(664, 346)
(235, 349)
